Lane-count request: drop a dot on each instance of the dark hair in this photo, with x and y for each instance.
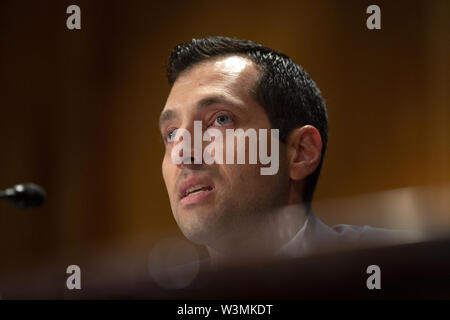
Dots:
(285, 90)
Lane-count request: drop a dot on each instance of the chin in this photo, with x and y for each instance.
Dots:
(200, 237)
(198, 230)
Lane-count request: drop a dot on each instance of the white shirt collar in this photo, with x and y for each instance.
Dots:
(297, 246)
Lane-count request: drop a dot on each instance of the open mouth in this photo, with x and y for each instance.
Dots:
(196, 190)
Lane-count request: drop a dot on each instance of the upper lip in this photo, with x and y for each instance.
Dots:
(193, 182)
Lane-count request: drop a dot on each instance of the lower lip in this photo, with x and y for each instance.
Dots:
(196, 198)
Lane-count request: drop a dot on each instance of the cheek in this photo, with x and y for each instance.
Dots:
(167, 169)
(241, 178)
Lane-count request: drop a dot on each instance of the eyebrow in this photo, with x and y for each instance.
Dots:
(166, 115)
(205, 102)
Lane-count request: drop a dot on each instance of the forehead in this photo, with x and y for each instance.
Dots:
(233, 76)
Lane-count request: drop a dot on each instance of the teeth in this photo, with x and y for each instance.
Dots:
(195, 188)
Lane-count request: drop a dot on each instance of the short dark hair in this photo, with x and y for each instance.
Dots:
(285, 90)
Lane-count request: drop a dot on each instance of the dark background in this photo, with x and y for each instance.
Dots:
(79, 110)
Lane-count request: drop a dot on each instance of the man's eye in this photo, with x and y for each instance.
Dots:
(171, 135)
(222, 120)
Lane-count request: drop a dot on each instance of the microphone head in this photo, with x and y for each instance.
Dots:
(25, 196)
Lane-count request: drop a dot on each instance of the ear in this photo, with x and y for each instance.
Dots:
(304, 148)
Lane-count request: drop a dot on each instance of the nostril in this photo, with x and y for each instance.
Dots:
(188, 160)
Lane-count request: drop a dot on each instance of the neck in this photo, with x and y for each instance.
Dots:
(265, 238)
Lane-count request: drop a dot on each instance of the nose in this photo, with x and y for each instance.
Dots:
(190, 163)
(189, 146)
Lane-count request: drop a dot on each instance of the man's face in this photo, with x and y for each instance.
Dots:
(230, 199)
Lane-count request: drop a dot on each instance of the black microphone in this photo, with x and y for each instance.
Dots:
(24, 196)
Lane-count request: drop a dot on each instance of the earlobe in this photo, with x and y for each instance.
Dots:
(304, 149)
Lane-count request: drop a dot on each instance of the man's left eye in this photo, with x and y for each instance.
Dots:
(222, 120)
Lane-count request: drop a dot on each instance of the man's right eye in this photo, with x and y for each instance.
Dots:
(171, 135)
